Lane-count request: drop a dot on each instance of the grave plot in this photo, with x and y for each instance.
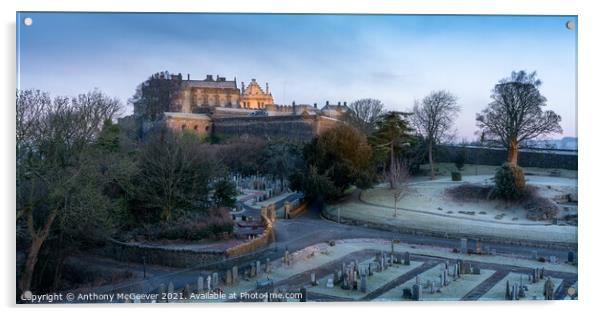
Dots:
(532, 291)
(454, 289)
(373, 279)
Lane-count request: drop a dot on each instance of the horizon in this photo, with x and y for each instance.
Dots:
(306, 58)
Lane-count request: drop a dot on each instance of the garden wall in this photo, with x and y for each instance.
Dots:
(540, 158)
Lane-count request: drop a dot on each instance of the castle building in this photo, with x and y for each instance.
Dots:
(210, 92)
(253, 97)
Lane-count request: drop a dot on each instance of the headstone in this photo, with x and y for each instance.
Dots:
(228, 277)
(286, 260)
(258, 267)
(406, 258)
(571, 257)
(215, 279)
(417, 292)
(161, 291)
(363, 285)
(170, 290)
(234, 274)
(268, 268)
(464, 245)
(303, 295)
(200, 285)
(508, 296)
(476, 270)
(253, 271)
(209, 284)
(314, 282)
(548, 289)
(330, 283)
(407, 293)
(186, 291)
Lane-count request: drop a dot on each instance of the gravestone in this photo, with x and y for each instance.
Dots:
(234, 274)
(417, 292)
(508, 296)
(209, 283)
(170, 290)
(215, 279)
(571, 257)
(258, 267)
(407, 293)
(268, 268)
(228, 277)
(406, 258)
(330, 283)
(363, 284)
(161, 291)
(464, 245)
(314, 282)
(186, 291)
(303, 295)
(548, 289)
(200, 285)
(253, 271)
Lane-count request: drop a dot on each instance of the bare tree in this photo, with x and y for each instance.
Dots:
(51, 137)
(433, 118)
(515, 114)
(398, 176)
(363, 114)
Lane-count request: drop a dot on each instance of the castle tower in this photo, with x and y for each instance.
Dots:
(254, 97)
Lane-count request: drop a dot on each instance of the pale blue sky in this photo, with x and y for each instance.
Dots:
(306, 58)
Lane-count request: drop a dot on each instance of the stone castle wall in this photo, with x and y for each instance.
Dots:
(553, 159)
(296, 128)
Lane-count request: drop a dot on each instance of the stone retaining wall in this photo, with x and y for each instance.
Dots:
(421, 232)
(553, 159)
(180, 258)
(255, 243)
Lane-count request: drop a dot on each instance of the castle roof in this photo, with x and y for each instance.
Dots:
(209, 82)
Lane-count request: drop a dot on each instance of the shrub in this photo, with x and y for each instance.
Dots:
(510, 182)
(540, 208)
(459, 160)
(456, 176)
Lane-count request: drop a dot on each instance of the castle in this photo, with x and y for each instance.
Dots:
(218, 105)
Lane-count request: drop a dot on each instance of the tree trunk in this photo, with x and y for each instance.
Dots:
(37, 240)
(431, 160)
(513, 152)
(391, 165)
(30, 264)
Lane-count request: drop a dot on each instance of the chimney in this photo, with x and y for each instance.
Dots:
(339, 104)
(188, 77)
(345, 103)
(209, 78)
(327, 103)
(242, 88)
(267, 88)
(316, 105)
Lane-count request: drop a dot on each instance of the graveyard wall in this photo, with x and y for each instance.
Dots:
(179, 258)
(331, 215)
(254, 244)
(552, 159)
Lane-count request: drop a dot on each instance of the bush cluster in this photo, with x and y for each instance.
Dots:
(510, 182)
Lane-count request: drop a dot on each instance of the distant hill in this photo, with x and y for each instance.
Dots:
(566, 143)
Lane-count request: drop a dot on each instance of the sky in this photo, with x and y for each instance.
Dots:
(306, 58)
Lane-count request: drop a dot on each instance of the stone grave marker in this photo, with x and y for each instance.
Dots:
(200, 284)
(464, 245)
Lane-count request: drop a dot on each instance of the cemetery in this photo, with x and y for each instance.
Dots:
(384, 270)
